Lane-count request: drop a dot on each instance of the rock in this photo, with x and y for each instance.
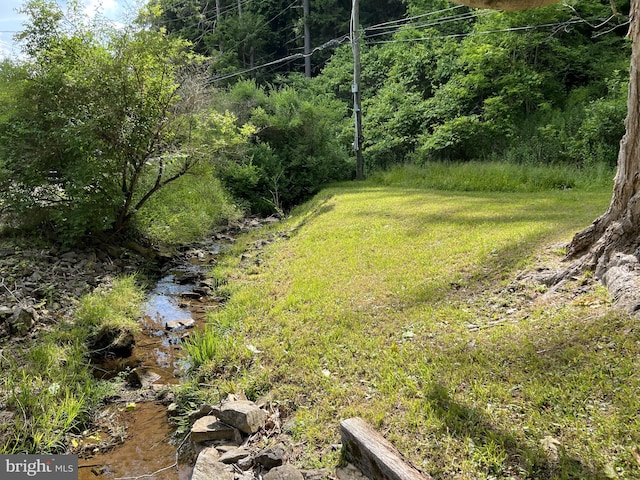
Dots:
(242, 414)
(271, 457)
(321, 474)
(234, 456)
(350, 472)
(203, 411)
(191, 295)
(173, 410)
(245, 476)
(224, 448)
(21, 321)
(182, 324)
(245, 463)
(117, 342)
(208, 468)
(99, 470)
(142, 377)
(284, 472)
(189, 277)
(210, 428)
(203, 291)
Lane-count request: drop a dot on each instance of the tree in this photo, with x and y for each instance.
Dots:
(102, 119)
(610, 245)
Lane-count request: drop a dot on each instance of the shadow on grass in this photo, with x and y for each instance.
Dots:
(473, 425)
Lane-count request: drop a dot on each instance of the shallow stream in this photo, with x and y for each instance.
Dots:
(177, 305)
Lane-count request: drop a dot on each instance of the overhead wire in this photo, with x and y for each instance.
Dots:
(482, 32)
(415, 17)
(334, 42)
(442, 21)
(393, 27)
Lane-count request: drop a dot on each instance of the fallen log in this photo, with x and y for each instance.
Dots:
(374, 455)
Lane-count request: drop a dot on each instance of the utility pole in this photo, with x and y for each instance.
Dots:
(307, 39)
(355, 88)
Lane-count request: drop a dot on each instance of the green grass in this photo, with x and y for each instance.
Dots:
(110, 314)
(402, 306)
(496, 177)
(185, 210)
(49, 385)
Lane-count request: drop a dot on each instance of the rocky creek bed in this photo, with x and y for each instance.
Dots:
(133, 436)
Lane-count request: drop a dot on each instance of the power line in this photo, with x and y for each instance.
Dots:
(442, 21)
(484, 32)
(335, 42)
(380, 26)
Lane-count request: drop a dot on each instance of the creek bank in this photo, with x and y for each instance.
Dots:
(40, 284)
(41, 287)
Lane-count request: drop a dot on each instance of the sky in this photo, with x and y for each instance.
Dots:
(11, 21)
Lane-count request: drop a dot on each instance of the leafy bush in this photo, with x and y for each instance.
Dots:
(98, 124)
(298, 147)
(599, 135)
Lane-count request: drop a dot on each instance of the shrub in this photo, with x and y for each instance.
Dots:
(298, 147)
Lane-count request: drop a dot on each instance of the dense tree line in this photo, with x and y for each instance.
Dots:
(96, 120)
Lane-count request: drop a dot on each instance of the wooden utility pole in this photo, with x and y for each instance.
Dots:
(355, 88)
(307, 39)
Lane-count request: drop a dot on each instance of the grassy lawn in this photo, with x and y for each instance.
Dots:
(403, 307)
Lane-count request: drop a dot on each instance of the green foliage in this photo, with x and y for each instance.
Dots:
(417, 323)
(241, 36)
(111, 313)
(489, 86)
(217, 353)
(50, 386)
(186, 210)
(585, 133)
(599, 134)
(103, 120)
(298, 147)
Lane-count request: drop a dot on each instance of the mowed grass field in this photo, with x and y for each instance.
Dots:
(404, 307)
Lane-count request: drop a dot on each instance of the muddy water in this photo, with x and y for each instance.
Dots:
(147, 451)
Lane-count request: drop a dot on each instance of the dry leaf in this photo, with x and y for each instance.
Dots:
(550, 445)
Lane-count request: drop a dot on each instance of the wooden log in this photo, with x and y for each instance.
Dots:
(375, 456)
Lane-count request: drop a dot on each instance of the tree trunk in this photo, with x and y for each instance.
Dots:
(609, 246)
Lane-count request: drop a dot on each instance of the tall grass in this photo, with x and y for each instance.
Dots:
(496, 177)
(112, 311)
(186, 209)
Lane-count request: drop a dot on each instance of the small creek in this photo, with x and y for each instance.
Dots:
(178, 299)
